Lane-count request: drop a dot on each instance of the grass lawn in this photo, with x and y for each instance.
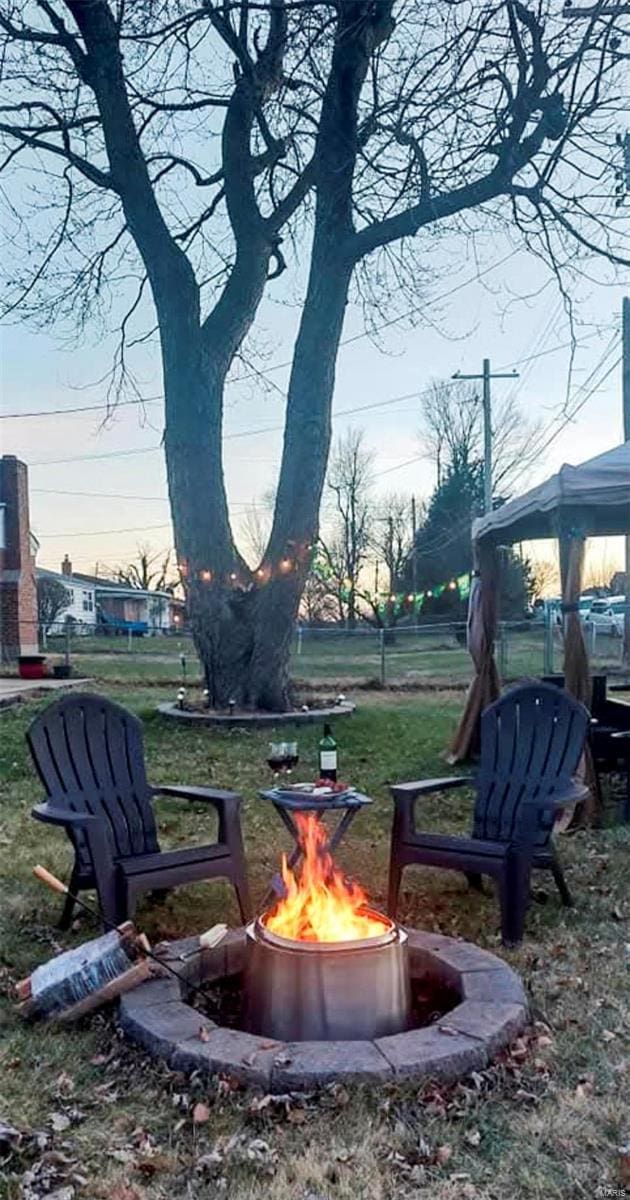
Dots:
(100, 1121)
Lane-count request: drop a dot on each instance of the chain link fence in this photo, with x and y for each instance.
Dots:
(436, 655)
(430, 656)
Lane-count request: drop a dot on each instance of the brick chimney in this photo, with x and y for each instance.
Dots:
(66, 566)
(18, 589)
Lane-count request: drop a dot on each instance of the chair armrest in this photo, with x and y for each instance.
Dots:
(99, 848)
(62, 816)
(540, 815)
(227, 805)
(422, 787)
(405, 795)
(215, 796)
(572, 794)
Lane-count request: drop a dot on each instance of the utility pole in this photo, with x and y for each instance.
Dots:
(390, 552)
(486, 376)
(414, 564)
(625, 341)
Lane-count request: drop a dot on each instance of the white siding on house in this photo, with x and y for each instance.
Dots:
(82, 605)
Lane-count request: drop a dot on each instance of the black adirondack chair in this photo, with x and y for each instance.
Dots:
(90, 758)
(532, 739)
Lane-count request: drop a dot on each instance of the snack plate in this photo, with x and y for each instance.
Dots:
(296, 796)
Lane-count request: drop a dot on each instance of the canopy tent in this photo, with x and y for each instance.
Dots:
(590, 500)
(595, 497)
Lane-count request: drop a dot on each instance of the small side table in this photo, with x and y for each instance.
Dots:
(349, 804)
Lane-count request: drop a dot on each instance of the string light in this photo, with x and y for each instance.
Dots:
(411, 597)
(285, 565)
(393, 598)
(205, 576)
(233, 576)
(452, 585)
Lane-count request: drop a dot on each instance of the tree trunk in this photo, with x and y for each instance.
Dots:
(243, 622)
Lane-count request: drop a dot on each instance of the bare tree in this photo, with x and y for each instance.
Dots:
(391, 543)
(452, 429)
(177, 145)
(52, 599)
(546, 576)
(256, 525)
(350, 481)
(392, 538)
(151, 571)
(600, 566)
(321, 601)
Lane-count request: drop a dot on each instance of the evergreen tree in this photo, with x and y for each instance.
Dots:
(444, 545)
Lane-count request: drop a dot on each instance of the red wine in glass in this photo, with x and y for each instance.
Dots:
(276, 757)
(292, 756)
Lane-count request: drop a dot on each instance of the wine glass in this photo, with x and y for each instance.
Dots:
(276, 758)
(292, 756)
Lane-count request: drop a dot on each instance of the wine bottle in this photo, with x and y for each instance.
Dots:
(328, 755)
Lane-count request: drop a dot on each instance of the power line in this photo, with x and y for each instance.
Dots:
(97, 495)
(569, 417)
(345, 412)
(103, 532)
(121, 496)
(432, 548)
(277, 366)
(83, 408)
(435, 546)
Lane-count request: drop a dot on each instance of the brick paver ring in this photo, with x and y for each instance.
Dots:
(491, 1010)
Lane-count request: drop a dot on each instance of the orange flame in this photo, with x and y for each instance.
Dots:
(321, 906)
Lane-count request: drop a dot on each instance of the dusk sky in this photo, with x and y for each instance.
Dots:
(71, 470)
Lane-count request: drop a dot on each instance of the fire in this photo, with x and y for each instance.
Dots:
(320, 905)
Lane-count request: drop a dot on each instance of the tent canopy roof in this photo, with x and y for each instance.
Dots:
(593, 498)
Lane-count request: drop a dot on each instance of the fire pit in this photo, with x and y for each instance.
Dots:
(316, 991)
(321, 987)
(312, 961)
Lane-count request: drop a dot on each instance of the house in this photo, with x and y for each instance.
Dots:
(114, 607)
(18, 547)
(81, 606)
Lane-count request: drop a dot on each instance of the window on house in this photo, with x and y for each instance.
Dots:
(88, 602)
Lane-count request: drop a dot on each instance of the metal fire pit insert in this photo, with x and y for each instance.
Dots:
(323, 991)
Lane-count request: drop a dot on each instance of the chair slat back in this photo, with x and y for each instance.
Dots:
(532, 740)
(88, 750)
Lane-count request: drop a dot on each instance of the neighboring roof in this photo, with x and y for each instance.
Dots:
(78, 581)
(119, 589)
(594, 497)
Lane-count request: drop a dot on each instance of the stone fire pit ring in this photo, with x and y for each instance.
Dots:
(492, 1010)
(254, 720)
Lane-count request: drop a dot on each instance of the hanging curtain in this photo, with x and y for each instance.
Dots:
(482, 633)
(577, 677)
(576, 667)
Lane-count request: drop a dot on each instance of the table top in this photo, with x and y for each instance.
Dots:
(305, 802)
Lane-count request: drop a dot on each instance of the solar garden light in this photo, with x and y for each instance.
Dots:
(181, 696)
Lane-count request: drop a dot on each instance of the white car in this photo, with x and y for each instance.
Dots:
(608, 615)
